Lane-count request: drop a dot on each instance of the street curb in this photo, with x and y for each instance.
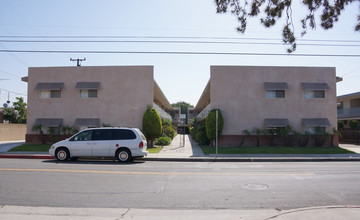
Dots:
(253, 159)
(206, 159)
(25, 156)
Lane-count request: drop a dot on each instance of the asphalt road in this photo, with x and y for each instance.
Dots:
(178, 185)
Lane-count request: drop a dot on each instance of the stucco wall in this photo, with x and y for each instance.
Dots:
(123, 96)
(239, 92)
(12, 132)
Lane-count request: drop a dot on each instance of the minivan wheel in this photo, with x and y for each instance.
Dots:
(62, 154)
(124, 155)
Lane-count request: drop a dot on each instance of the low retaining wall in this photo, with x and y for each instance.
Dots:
(48, 138)
(268, 140)
(12, 132)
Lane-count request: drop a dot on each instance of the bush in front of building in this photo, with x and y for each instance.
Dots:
(353, 124)
(201, 136)
(169, 130)
(163, 141)
(152, 125)
(210, 125)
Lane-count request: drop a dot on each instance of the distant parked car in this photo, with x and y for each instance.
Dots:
(122, 143)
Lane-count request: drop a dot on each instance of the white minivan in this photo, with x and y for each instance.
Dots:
(122, 143)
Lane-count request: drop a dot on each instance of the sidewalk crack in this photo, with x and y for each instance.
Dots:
(123, 215)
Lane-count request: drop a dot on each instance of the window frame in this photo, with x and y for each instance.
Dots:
(314, 94)
(50, 94)
(86, 93)
(275, 94)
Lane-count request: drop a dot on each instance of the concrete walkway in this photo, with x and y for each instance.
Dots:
(177, 149)
(7, 145)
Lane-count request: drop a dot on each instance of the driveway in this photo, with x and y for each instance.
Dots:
(7, 145)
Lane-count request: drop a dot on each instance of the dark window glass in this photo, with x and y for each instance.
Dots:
(319, 94)
(92, 93)
(55, 94)
(101, 135)
(123, 134)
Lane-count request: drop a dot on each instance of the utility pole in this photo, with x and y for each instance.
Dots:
(78, 61)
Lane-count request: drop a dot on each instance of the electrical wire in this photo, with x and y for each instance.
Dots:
(174, 37)
(178, 53)
(16, 93)
(172, 42)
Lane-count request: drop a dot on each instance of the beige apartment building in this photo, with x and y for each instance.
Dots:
(348, 110)
(248, 96)
(270, 97)
(348, 107)
(91, 96)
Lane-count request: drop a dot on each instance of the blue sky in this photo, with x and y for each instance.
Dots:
(181, 77)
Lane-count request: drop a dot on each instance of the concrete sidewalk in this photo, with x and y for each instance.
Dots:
(192, 152)
(310, 213)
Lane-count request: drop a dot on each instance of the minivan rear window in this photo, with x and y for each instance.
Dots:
(122, 134)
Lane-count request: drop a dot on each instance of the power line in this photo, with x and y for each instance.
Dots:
(350, 71)
(172, 42)
(2, 71)
(178, 53)
(173, 37)
(16, 93)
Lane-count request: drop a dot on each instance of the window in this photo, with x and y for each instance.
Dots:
(123, 134)
(83, 136)
(54, 130)
(314, 94)
(50, 94)
(91, 93)
(315, 130)
(275, 94)
(101, 135)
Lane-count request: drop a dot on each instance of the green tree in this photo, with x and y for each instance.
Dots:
(184, 108)
(17, 113)
(210, 124)
(152, 125)
(39, 129)
(272, 11)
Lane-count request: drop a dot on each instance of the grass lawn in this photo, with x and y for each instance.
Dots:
(276, 150)
(154, 150)
(32, 147)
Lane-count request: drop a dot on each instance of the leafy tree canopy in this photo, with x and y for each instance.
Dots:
(183, 105)
(17, 113)
(273, 10)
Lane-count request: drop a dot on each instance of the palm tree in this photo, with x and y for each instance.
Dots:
(39, 129)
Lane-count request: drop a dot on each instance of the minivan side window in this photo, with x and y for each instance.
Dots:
(83, 136)
(123, 134)
(101, 135)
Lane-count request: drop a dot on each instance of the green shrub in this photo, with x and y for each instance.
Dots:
(163, 141)
(340, 125)
(169, 131)
(200, 136)
(353, 124)
(152, 125)
(166, 122)
(202, 139)
(210, 124)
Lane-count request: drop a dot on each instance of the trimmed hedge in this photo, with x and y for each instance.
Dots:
(163, 141)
